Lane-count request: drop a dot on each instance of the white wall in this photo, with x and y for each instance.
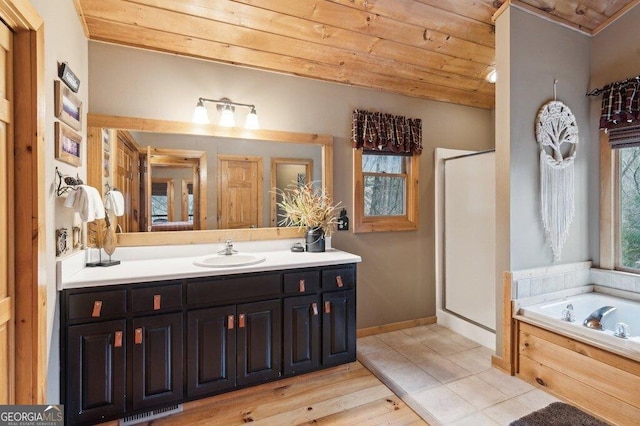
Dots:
(64, 41)
(615, 56)
(396, 280)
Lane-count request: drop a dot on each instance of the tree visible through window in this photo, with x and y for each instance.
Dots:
(384, 184)
(629, 207)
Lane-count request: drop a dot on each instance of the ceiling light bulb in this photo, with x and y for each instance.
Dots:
(227, 119)
(492, 77)
(252, 120)
(200, 114)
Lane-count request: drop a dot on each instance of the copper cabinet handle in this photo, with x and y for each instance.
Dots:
(118, 339)
(241, 323)
(314, 308)
(138, 336)
(339, 281)
(301, 286)
(97, 308)
(157, 301)
(230, 322)
(327, 307)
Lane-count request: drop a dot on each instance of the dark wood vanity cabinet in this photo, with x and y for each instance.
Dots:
(233, 346)
(130, 348)
(156, 360)
(95, 375)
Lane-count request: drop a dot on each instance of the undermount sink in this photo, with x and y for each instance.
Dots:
(226, 261)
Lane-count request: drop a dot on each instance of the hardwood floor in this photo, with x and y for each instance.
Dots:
(344, 395)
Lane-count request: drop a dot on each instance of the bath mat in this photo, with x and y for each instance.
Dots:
(558, 414)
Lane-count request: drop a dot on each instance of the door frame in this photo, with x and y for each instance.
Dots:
(30, 232)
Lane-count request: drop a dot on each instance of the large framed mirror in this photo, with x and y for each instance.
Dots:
(209, 183)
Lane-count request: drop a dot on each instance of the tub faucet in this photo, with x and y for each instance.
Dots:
(595, 319)
(568, 314)
(228, 248)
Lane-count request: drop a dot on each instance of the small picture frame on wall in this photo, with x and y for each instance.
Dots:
(68, 107)
(68, 145)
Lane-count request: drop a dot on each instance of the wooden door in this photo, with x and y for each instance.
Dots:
(339, 327)
(7, 379)
(157, 360)
(301, 334)
(259, 343)
(96, 373)
(127, 179)
(211, 350)
(239, 192)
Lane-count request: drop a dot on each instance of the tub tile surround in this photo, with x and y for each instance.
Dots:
(445, 386)
(554, 279)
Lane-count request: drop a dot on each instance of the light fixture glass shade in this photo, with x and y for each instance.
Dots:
(492, 77)
(252, 120)
(227, 119)
(200, 114)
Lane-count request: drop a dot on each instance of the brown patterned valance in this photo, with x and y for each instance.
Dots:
(375, 131)
(620, 103)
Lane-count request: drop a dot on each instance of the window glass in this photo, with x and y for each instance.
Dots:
(629, 207)
(372, 163)
(384, 196)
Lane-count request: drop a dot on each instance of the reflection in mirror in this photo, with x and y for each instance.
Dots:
(286, 172)
(234, 194)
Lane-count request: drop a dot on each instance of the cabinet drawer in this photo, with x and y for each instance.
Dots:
(301, 282)
(222, 290)
(339, 278)
(156, 298)
(97, 305)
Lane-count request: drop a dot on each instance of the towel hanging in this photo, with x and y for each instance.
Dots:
(86, 201)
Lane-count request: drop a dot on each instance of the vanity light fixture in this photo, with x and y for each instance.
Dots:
(227, 113)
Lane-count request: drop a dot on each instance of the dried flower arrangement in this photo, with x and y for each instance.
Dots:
(308, 205)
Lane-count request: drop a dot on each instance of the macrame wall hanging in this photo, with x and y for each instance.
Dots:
(557, 135)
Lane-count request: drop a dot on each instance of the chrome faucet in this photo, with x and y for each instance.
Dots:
(595, 319)
(228, 248)
(568, 314)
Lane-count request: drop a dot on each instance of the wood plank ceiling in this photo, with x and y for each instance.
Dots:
(431, 49)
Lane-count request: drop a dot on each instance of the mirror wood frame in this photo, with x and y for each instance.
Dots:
(96, 122)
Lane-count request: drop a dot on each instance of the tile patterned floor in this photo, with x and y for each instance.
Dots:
(448, 379)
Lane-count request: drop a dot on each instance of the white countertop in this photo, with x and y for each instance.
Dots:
(167, 268)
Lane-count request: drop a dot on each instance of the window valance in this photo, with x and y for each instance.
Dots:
(620, 103)
(375, 131)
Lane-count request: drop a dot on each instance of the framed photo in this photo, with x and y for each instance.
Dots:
(68, 106)
(68, 145)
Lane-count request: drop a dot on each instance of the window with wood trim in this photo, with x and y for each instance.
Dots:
(620, 200)
(385, 191)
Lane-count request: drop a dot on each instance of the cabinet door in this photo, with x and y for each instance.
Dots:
(259, 342)
(339, 327)
(96, 373)
(301, 334)
(157, 360)
(211, 350)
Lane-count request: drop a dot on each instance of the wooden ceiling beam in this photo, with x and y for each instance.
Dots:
(184, 45)
(202, 28)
